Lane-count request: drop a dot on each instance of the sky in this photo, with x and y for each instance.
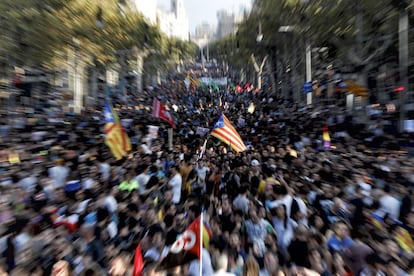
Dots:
(199, 11)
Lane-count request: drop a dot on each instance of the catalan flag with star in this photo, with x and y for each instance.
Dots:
(224, 131)
(115, 136)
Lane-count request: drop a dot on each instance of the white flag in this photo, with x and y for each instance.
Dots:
(202, 131)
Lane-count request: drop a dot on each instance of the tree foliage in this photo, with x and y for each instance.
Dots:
(362, 34)
(172, 51)
(39, 32)
(32, 30)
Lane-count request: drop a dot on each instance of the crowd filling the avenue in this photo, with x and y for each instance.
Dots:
(308, 191)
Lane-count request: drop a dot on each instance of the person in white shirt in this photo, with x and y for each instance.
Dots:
(28, 182)
(157, 250)
(175, 183)
(194, 267)
(389, 204)
(285, 200)
(59, 173)
(143, 178)
(202, 169)
(22, 240)
(241, 202)
(298, 209)
(110, 201)
(222, 264)
(89, 183)
(301, 215)
(105, 170)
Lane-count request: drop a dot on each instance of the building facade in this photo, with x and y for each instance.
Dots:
(227, 23)
(148, 8)
(204, 30)
(174, 22)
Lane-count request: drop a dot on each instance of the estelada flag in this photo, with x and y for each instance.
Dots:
(115, 136)
(160, 111)
(187, 247)
(225, 132)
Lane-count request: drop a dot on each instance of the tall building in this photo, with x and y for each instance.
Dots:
(204, 30)
(174, 22)
(204, 34)
(227, 23)
(148, 8)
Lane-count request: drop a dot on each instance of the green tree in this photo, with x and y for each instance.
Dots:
(171, 53)
(104, 27)
(32, 30)
(357, 33)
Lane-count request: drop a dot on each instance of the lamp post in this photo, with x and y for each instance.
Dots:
(308, 59)
(140, 55)
(77, 82)
(287, 70)
(403, 58)
(140, 66)
(94, 88)
(100, 24)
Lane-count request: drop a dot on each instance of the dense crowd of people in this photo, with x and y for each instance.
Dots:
(287, 206)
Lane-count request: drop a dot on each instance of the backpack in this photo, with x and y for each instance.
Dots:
(294, 208)
(231, 188)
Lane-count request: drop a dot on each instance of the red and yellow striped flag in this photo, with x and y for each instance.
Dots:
(224, 131)
(115, 136)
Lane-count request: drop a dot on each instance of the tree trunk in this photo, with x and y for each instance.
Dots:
(94, 90)
(140, 66)
(259, 79)
(272, 71)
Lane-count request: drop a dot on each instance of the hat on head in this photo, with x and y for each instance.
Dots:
(255, 163)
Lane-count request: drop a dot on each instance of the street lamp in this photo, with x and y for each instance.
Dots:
(403, 59)
(259, 37)
(77, 83)
(308, 58)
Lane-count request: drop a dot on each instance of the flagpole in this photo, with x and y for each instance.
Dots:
(170, 138)
(201, 242)
(203, 149)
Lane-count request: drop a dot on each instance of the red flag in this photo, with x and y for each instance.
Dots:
(185, 249)
(189, 240)
(159, 111)
(138, 262)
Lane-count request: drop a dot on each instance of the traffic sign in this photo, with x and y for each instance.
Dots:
(307, 87)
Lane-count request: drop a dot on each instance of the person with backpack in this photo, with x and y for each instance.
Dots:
(231, 183)
(241, 202)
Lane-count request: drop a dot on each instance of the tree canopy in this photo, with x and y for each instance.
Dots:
(40, 32)
(358, 33)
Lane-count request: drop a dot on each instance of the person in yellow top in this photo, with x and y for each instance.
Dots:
(185, 171)
(129, 184)
(266, 184)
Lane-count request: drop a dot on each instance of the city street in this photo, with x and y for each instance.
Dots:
(137, 139)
